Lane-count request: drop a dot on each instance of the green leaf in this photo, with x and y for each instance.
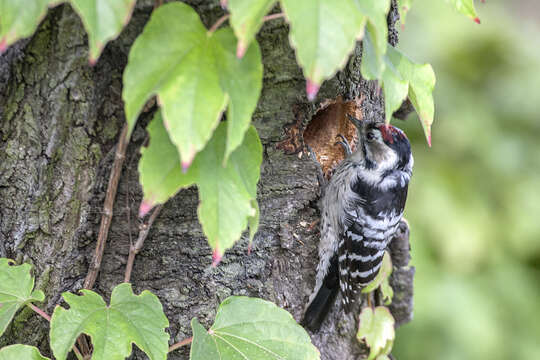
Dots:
(253, 221)
(160, 171)
(383, 274)
(194, 74)
(19, 19)
(227, 197)
(16, 286)
(377, 330)
(376, 12)
(403, 7)
(103, 21)
(466, 7)
(242, 81)
(129, 319)
(399, 77)
(21, 352)
(247, 19)
(387, 292)
(421, 79)
(323, 33)
(251, 329)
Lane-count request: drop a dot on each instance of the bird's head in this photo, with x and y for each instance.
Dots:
(385, 146)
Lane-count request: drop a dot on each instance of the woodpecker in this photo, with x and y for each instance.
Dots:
(360, 213)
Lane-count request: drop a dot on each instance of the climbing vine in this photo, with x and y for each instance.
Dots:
(196, 75)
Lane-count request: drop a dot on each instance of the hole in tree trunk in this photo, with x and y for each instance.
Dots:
(321, 132)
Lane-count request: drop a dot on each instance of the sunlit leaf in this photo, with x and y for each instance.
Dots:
(251, 329)
(421, 79)
(241, 79)
(16, 285)
(194, 74)
(21, 352)
(128, 319)
(387, 292)
(376, 12)
(19, 19)
(400, 77)
(103, 21)
(384, 272)
(247, 19)
(323, 33)
(466, 7)
(403, 7)
(377, 330)
(227, 197)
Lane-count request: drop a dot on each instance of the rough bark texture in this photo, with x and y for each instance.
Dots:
(59, 119)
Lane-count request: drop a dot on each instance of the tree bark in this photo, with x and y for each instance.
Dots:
(59, 119)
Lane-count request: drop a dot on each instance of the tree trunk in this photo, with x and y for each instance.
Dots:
(59, 122)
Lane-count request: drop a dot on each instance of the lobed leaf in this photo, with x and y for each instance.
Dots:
(323, 33)
(129, 319)
(227, 193)
(103, 21)
(376, 12)
(403, 7)
(16, 285)
(21, 352)
(247, 19)
(466, 7)
(251, 329)
(384, 273)
(400, 77)
(19, 19)
(377, 330)
(194, 75)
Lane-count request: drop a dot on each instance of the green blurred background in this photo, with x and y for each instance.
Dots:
(474, 201)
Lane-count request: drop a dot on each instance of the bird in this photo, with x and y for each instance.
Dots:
(361, 208)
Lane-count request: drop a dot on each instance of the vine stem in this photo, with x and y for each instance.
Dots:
(40, 312)
(180, 344)
(47, 317)
(218, 23)
(135, 248)
(273, 16)
(107, 214)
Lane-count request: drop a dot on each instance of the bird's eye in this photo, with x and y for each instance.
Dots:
(370, 135)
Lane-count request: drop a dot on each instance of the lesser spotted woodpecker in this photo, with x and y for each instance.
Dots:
(361, 209)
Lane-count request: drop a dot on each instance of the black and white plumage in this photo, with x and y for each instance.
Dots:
(360, 212)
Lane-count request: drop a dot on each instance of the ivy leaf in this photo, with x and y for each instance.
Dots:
(16, 286)
(376, 11)
(129, 319)
(160, 172)
(399, 77)
(387, 292)
(242, 81)
(403, 7)
(21, 352)
(227, 198)
(19, 19)
(466, 7)
(103, 21)
(251, 329)
(421, 79)
(384, 272)
(247, 19)
(191, 73)
(323, 33)
(377, 330)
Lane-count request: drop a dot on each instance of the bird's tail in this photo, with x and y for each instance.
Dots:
(319, 307)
